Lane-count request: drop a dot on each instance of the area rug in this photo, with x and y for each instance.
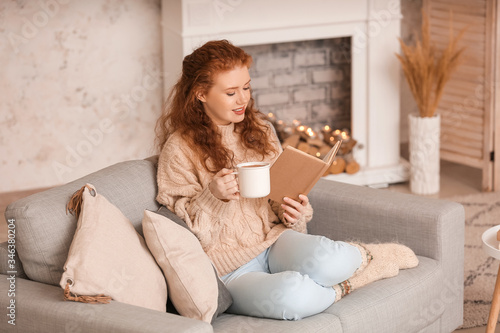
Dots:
(482, 211)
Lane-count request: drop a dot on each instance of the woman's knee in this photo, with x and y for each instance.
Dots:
(330, 262)
(342, 261)
(299, 296)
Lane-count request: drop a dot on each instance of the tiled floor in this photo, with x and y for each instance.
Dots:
(455, 180)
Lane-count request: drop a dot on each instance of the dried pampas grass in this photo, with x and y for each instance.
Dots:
(427, 70)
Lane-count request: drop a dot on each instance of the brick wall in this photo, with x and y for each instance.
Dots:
(307, 80)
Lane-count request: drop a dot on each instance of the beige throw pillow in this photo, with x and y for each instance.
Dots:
(107, 256)
(191, 278)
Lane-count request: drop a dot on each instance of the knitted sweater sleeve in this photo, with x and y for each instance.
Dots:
(181, 190)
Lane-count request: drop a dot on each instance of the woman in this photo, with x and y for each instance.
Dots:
(260, 249)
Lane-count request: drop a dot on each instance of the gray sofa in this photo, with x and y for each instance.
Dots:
(428, 298)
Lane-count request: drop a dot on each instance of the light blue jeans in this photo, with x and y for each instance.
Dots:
(293, 278)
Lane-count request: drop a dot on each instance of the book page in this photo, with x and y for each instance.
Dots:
(328, 159)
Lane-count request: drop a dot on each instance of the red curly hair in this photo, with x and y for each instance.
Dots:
(185, 113)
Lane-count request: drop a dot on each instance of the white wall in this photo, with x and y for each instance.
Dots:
(80, 87)
(410, 32)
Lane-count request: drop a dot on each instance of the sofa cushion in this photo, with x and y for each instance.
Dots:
(108, 256)
(44, 231)
(394, 301)
(39, 309)
(319, 323)
(191, 278)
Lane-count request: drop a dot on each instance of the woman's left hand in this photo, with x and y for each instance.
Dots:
(294, 210)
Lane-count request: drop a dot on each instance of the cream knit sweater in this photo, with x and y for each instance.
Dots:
(231, 233)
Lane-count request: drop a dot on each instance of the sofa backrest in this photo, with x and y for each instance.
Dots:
(44, 231)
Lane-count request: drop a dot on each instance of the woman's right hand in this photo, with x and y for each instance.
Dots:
(224, 185)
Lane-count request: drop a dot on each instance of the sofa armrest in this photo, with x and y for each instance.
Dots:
(430, 227)
(5, 258)
(40, 308)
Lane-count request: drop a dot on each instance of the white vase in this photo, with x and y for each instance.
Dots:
(424, 154)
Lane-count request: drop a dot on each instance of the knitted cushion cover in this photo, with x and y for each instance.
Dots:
(194, 287)
(107, 256)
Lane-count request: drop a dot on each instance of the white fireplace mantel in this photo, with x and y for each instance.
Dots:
(373, 25)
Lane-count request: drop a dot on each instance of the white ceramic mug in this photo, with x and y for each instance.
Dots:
(254, 179)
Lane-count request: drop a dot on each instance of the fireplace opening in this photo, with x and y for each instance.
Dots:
(308, 81)
(363, 93)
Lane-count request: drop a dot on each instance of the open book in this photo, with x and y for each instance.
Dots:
(296, 172)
